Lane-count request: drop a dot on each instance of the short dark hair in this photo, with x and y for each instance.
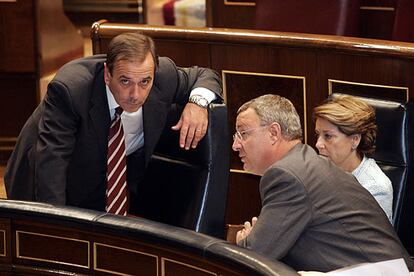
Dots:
(130, 46)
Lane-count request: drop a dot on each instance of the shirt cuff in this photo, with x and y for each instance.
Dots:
(205, 93)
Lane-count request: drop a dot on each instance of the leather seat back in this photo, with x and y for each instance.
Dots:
(189, 188)
(394, 154)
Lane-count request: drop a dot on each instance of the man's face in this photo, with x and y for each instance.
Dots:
(253, 143)
(131, 82)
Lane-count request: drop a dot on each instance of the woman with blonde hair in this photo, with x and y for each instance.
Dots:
(346, 131)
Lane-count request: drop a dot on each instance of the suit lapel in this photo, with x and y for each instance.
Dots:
(99, 112)
(154, 112)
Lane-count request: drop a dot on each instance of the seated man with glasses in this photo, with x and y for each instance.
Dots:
(314, 215)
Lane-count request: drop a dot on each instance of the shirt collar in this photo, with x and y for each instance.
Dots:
(111, 100)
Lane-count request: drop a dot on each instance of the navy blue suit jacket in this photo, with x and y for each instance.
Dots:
(60, 155)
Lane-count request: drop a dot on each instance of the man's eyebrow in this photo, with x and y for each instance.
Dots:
(129, 78)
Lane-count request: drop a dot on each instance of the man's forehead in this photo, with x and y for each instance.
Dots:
(247, 117)
(134, 63)
(249, 113)
(127, 68)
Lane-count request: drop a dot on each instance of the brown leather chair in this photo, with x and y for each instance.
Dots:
(403, 22)
(331, 17)
(189, 188)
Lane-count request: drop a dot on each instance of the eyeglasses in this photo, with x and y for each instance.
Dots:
(241, 135)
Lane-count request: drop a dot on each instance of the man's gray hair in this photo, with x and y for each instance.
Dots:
(276, 109)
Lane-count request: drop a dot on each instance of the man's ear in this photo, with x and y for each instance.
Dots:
(275, 131)
(107, 74)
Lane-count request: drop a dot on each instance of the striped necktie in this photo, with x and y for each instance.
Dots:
(116, 189)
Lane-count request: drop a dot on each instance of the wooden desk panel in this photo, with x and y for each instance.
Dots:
(17, 48)
(44, 245)
(36, 39)
(42, 239)
(190, 53)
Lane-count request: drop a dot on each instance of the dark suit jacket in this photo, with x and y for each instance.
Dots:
(317, 217)
(60, 155)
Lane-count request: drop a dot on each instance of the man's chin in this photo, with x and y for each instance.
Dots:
(247, 168)
(131, 109)
(251, 170)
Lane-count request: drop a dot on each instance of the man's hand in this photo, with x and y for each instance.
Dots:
(242, 234)
(192, 125)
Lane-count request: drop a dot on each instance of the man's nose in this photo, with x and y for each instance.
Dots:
(236, 145)
(135, 91)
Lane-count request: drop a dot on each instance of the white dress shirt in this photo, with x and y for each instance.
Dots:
(133, 123)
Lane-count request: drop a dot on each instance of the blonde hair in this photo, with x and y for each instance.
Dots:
(352, 116)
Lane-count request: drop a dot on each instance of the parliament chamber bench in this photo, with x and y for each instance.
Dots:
(305, 68)
(43, 239)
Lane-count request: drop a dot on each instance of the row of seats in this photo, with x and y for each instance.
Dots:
(332, 17)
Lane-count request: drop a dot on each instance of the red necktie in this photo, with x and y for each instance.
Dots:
(116, 189)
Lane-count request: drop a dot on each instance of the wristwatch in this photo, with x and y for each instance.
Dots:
(199, 100)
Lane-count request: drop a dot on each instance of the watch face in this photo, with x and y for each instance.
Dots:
(203, 102)
(199, 100)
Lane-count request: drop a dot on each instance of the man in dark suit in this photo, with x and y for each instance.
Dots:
(61, 153)
(314, 215)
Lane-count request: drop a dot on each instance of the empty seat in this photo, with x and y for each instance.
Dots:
(332, 17)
